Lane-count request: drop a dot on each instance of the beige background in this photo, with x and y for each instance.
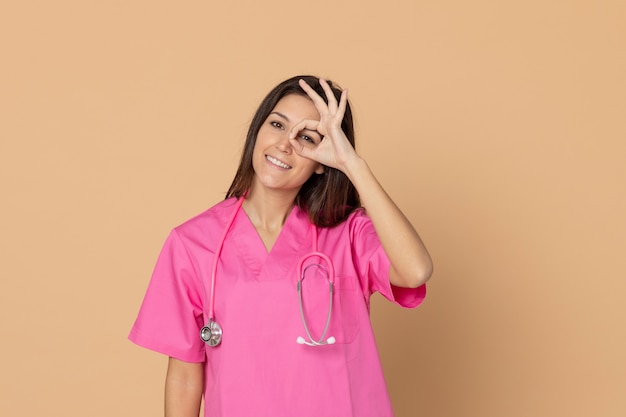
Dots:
(498, 126)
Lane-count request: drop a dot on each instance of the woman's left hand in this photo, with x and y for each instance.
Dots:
(334, 150)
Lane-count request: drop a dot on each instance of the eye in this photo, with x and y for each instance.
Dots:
(307, 138)
(277, 125)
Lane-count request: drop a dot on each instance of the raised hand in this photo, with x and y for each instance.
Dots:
(334, 150)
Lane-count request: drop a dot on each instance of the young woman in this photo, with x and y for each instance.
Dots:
(286, 265)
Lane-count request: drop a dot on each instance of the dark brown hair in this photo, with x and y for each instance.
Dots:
(328, 198)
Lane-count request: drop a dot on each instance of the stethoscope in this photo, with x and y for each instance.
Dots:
(211, 334)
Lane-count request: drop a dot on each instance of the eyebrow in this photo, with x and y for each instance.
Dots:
(287, 119)
(280, 114)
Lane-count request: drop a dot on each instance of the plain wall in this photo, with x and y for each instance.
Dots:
(498, 127)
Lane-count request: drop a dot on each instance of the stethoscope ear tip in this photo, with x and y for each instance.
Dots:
(300, 340)
(330, 340)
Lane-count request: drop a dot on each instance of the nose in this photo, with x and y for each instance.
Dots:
(283, 144)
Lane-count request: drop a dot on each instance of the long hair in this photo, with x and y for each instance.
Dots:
(327, 198)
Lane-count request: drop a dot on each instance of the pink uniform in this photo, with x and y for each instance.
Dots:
(259, 369)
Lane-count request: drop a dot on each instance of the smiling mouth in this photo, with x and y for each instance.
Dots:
(276, 162)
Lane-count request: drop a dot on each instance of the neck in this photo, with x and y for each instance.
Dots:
(267, 210)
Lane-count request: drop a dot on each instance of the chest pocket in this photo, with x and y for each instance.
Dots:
(344, 321)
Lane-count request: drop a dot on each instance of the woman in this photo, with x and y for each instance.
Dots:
(298, 189)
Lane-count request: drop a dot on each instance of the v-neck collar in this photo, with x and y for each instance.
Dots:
(292, 242)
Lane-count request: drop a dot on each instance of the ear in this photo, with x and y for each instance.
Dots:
(320, 169)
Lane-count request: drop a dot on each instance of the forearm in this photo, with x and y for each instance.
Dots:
(184, 385)
(411, 265)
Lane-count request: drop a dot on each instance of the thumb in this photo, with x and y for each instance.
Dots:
(303, 148)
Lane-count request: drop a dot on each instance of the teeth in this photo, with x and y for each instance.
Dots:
(277, 162)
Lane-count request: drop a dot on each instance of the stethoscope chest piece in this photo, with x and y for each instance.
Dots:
(211, 334)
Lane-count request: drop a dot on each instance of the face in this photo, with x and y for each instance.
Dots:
(276, 165)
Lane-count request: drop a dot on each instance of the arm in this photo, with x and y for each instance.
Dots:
(184, 385)
(411, 265)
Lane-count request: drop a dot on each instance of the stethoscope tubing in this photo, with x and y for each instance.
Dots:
(331, 285)
(216, 256)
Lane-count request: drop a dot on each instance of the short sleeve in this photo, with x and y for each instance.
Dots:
(373, 265)
(170, 317)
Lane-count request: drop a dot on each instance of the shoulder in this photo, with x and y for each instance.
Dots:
(357, 223)
(207, 223)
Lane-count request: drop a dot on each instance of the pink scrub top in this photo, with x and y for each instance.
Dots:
(259, 369)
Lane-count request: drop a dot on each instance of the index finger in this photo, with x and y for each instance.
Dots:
(305, 124)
